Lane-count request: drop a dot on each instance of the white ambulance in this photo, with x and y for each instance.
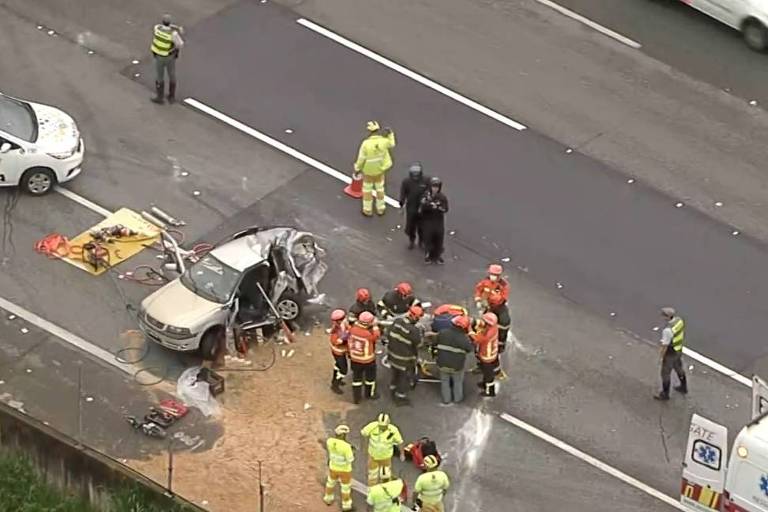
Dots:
(741, 485)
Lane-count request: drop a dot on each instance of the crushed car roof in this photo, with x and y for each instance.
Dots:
(249, 250)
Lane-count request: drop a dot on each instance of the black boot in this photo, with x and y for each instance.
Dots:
(683, 387)
(357, 394)
(664, 393)
(172, 92)
(411, 244)
(336, 387)
(159, 88)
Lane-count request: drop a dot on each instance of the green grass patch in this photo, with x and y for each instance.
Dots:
(22, 490)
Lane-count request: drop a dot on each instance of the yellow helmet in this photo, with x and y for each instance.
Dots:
(430, 462)
(383, 419)
(342, 430)
(372, 126)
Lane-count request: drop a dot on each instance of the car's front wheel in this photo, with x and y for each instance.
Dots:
(288, 307)
(211, 343)
(755, 35)
(38, 181)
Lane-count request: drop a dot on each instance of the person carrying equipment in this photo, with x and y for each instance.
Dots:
(411, 190)
(431, 486)
(404, 337)
(340, 458)
(396, 302)
(338, 340)
(382, 437)
(373, 161)
(361, 345)
(486, 339)
(387, 497)
(363, 302)
(432, 209)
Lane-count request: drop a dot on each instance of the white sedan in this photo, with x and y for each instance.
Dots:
(750, 17)
(40, 146)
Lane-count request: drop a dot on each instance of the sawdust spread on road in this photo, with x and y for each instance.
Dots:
(264, 417)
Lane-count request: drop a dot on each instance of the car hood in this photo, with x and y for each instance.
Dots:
(174, 304)
(56, 130)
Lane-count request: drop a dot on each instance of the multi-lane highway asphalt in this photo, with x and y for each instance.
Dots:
(613, 245)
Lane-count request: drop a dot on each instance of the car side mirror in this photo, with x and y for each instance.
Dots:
(5, 147)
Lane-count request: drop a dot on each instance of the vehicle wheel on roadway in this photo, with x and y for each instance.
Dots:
(211, 342)
(288, 307)
(755, 35)
(38, 181)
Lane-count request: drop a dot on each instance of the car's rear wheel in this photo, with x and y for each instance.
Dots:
(38, 181)
(288, 307)
(755, 35)
(211, 343)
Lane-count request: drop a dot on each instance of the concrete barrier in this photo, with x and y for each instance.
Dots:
(76, 469)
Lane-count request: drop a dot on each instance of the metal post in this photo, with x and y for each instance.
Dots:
(80, 404)
(170, 466)
(261, 491)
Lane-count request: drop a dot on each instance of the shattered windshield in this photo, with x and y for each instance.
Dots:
(211, 279)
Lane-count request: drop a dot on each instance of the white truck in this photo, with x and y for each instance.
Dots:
(741, 485)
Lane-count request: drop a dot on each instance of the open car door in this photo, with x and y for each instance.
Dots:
(759, 397)
(704, 465)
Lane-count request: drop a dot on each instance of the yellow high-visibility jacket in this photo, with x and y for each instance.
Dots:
(373, 158)
(381, 445)
(340, 455)
(431, 487)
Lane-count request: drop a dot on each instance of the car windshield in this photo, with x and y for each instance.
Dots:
(18, 119)
(211, 279)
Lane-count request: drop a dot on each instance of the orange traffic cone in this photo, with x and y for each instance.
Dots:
(355, 189)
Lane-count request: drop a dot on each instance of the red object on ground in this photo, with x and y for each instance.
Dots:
(355, 189)
(53, 246)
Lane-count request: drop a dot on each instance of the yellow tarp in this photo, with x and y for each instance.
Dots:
(120, 249)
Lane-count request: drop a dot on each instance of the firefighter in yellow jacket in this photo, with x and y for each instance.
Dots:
(340, 458)
(373, 161)
(431, 486)
(382, 438)
(386, 497)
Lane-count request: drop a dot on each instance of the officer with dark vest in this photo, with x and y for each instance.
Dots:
(166, 43)
(404, 339)
(671, 353)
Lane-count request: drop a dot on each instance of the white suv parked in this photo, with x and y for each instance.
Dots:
(40, 146)
(750, 17)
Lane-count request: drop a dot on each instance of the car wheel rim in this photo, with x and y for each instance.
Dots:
(288, 309)
(39, 183)
(754, 36)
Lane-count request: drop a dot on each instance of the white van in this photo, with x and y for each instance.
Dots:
(40, 146)
(750, 17)
(741, 485)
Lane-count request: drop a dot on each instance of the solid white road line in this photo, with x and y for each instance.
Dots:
(718, 367)
(610, 470)
(320, 166)
(411, 74)
(83, 201)
(591, 24)
(65, 335)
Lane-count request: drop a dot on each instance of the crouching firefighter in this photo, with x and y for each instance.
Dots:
(402, 349)
(431, 486)
(363, 302)
(338, 340)
(486, 338)
(387, 497)
(361, 344)
(340, 458)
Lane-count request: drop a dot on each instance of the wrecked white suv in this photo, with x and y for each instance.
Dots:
(191, 312)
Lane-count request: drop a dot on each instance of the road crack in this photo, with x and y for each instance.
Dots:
(663, 437)
(7, 240)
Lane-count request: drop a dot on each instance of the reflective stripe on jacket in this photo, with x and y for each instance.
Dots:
(453, 345)
(431, 487)
(361, 344)
(162, 42)
(381, 443)
(678, 333)
(338, 341)
(404, 339)
(373, 158)
(340, 455)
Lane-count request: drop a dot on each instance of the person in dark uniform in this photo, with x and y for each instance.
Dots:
(396, 302)
(432, 209)
(404, 338)
(411, 190)
(363, 302)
